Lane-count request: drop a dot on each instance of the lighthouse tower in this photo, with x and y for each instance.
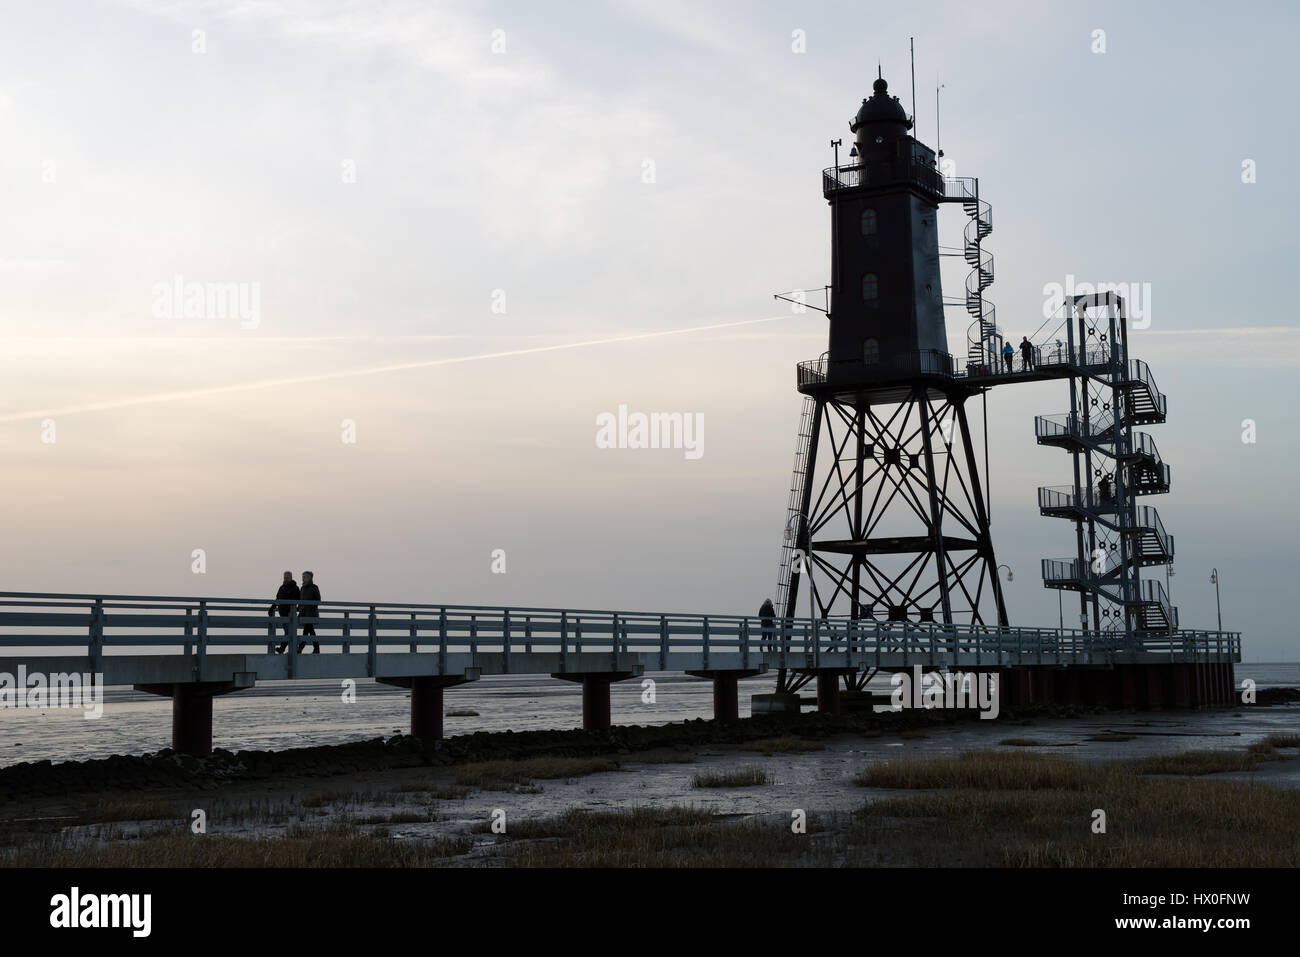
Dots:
(887, 513)
(886, 305)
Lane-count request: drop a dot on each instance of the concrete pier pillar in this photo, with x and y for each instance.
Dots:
(192, 710)
(828, 693)
(595, 702)
(426, 709)
(726, 698)
(427, 700)
(595, 695)
(828, 690)
(192, 721)
(726, 693)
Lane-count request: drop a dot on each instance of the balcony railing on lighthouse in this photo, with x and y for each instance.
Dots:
(837, 178)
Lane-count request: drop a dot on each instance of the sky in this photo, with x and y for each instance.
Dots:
(434, 242)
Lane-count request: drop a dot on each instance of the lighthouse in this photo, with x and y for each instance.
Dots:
(887, 517)
(886, 299)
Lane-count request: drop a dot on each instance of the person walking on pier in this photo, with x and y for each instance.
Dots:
(310, 593)
(766, 613)
(1007, 354)
(288, 592)
(1027, 353)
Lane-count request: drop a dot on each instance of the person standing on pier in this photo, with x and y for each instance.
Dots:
(766, 613)
(288, 592)
(310, 593)
(1008, 353)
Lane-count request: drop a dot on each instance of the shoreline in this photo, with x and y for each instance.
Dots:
(165, 769)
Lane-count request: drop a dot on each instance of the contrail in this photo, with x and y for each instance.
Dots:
(352, 373)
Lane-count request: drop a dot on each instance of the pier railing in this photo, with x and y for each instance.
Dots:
(103, 625)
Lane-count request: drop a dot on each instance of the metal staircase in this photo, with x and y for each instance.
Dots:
(983, 339)
(1155, 613)
(794, 508)
(1148, 474)
(1113, 465)
(1146, 403)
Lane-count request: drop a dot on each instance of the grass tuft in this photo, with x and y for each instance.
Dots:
(740, 778)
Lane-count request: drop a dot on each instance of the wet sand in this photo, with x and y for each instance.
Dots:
(421, 801)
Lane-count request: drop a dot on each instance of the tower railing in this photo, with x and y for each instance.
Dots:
(838, 178)
(960, 187)
(1064, 497)
(933, 362)
(821, 370)
(1071, 425)
(1061, 570)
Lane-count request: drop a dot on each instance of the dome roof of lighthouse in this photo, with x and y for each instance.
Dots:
(880, 108)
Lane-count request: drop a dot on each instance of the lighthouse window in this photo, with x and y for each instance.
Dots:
(870, 351)
(868, 222)
(870, 287)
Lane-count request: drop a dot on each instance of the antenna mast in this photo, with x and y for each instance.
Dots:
(912, 46)
(937, 147)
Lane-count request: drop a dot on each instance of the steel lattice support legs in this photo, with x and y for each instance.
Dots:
(897, 528)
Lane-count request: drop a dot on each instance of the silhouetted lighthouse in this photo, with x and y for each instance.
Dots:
(886, 302)
(891, 524)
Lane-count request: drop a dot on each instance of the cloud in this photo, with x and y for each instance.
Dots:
(179, 395)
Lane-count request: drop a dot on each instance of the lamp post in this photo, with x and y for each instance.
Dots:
(1214, 580)
(835, 145)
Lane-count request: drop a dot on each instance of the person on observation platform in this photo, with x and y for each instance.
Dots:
(310, 593)
(1106, 488)
(1007, 354)
(766, 613)
(1027, 353)
(288, 592)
